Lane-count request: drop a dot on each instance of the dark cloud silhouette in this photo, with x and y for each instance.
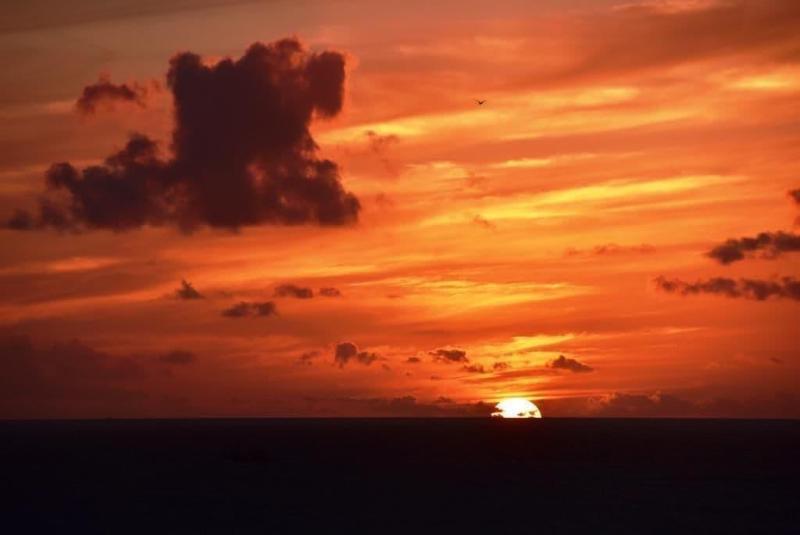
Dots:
(500, 366)
(755, 289)
(105, 93)
(308, 357)
(247, 309)
(449, 355)
(330, 292)
(243, 153)
(474, 368)
(795, 195)
(348, 351)
(292, 290)
(178, 357)
(769, 244)
(187, 291)
(565, 363)
(413, 360)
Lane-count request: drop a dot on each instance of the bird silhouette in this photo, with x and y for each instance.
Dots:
(480, 102)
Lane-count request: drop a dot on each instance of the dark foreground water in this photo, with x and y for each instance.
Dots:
(406, 476)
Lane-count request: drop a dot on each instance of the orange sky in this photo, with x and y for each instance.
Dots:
(619, 142)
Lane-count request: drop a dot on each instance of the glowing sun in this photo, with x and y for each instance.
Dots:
(517, 408)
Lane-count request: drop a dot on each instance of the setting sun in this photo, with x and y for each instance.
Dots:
(517, 408)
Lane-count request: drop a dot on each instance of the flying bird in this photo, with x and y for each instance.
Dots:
(480, 102)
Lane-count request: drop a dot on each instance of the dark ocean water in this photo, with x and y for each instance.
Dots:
(400, 476)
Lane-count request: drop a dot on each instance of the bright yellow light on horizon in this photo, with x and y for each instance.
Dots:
(517, 408)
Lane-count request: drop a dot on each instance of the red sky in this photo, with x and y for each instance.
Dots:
(620, 142)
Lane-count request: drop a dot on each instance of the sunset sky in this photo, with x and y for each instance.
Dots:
(328, 224)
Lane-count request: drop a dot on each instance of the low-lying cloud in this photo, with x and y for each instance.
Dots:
(409, 406)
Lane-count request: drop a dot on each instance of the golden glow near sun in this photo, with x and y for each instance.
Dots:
(516, 408)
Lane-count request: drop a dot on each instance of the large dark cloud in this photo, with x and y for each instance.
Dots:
(348, 351)
(246, 309)
(573, 365)
(292, 290)
(242, 152)
(105, 93)
(769, 244)
(795, 195)
(756, 289)
(449, 355)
